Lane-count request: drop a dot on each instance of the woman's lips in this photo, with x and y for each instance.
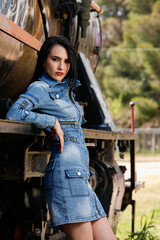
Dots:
(59, 73)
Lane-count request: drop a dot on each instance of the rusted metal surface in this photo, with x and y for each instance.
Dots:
(12, 29)
(22, 31)
(96, 7)
(35, 163)
(17, 60)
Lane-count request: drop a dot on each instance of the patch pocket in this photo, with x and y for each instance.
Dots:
(31, 98)
(78, 182)
(48, 178)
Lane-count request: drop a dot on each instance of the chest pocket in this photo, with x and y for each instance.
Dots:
(58, 92)
(55, 95)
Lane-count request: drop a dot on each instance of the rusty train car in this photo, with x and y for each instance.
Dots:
(24, 150)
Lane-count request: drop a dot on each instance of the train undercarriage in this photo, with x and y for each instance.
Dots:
(24, 155)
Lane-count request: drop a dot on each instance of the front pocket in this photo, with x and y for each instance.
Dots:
(78, 183)
(48, 178)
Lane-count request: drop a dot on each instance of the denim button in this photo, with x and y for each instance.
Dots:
(79, 173)
(57, 95)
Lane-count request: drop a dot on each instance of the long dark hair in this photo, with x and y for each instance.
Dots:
(45, 50)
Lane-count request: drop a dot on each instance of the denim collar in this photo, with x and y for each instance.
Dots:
(51, 82)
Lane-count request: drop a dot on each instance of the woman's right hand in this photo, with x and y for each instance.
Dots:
(58, 130)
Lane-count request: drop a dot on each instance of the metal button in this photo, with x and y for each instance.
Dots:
(79, 173)
(57, 95)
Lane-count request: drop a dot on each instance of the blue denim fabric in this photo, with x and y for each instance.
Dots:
(69, 195)
(43, 102)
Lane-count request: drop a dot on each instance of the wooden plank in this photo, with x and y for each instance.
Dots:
(15, 127)
(12, 29)
(104, 135)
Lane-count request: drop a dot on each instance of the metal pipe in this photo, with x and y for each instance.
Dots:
(132, 115)
(96, 7)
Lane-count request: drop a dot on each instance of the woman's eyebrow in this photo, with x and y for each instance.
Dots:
(59, 57)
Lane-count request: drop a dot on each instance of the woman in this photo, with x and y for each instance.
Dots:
(49, 104)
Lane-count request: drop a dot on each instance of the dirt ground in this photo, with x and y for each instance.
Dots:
(144, 170)
(144, 166)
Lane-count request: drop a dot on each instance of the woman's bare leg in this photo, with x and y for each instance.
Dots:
(79, 231)
(96, 230)
(102, 230)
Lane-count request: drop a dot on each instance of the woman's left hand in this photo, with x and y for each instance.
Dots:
(58, 130)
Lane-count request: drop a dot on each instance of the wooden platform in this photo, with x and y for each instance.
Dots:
(15, 127)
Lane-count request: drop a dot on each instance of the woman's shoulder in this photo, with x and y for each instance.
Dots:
(41, 85)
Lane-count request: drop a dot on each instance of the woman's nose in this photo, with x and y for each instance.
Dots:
(61, 65)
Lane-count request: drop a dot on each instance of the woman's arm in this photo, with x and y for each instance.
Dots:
(22, 109)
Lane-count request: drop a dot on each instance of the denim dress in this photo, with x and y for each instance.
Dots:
(69, 196)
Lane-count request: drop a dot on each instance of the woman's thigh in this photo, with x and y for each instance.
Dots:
(79, 231)
(102, 230)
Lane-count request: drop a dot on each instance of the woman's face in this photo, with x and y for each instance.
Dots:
(57, 63)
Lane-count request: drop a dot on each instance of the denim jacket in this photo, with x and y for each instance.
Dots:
(45, 101)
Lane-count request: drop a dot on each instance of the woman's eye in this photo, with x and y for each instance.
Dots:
(67, 61)
(55, 59)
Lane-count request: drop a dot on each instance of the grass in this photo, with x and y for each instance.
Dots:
(145, 233)
(147, 202)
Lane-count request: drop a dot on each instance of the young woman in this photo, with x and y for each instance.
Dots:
(49, 104)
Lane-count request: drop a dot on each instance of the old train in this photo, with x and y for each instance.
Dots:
(24, 150)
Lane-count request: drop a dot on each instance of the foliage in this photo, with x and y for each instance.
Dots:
(141, 28)
(145, 233)
(111, 31)
(147, 200)
(115, 106)
(131, 55)
(116, 8)
(141, 7)
(145, 109)
(116, 86)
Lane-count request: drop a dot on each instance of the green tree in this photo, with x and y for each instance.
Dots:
(131, 56)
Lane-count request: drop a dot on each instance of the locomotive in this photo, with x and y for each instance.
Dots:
(24, 150)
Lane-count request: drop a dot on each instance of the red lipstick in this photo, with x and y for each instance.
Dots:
(59, 73)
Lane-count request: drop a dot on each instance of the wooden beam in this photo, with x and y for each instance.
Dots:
(104, 135)
(15, 127)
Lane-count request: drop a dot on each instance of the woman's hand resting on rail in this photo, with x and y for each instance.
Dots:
(58, 130)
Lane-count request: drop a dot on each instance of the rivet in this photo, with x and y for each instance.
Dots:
(57, 95)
